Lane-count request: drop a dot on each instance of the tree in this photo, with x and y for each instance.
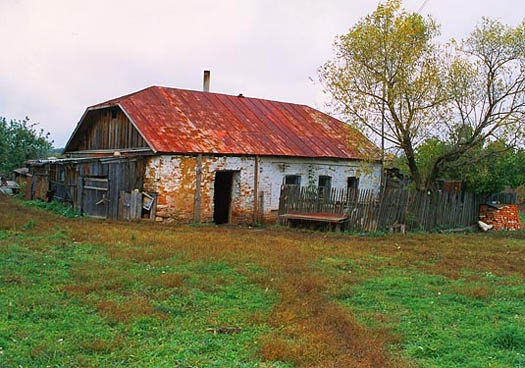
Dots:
(392, 79)
(484, 169)
(19, 142)
(501, 166)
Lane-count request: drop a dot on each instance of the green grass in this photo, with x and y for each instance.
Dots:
(66, 305)
(59, 208)
(447, 322)
(75, 292)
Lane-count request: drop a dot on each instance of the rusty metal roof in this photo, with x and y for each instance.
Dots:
(183, 121)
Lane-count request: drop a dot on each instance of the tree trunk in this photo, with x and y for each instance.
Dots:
(412, 165)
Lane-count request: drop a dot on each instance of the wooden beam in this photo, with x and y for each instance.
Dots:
(197, 199)
(256, 191)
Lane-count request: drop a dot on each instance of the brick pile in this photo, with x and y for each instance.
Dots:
(502, 216)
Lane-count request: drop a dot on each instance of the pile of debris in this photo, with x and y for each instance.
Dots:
(499, 217)
(8, 187)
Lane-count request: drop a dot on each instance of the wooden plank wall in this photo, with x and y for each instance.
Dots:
(107, 129)
(123, 175)
(130, 205)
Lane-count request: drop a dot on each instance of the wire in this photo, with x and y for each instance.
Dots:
(422, 6)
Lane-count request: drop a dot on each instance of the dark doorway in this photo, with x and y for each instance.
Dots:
(222, 196)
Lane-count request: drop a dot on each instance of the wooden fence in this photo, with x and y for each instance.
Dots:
(428, 211)
(368, 211)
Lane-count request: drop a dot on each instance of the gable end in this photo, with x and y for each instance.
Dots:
(105, 129)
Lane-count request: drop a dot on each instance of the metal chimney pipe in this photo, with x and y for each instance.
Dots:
(206, 82)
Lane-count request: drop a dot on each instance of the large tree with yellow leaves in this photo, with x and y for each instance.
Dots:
(391, 78)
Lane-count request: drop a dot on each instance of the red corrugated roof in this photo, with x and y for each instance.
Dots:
(183, 121)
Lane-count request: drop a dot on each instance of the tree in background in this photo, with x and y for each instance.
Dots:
(391, 79)
(486, 168)
(498, 167)
(21, 141)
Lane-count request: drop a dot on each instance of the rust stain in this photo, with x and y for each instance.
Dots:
(183, 121)
(173, 179)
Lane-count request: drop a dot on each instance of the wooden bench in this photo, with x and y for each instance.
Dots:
(337, 220)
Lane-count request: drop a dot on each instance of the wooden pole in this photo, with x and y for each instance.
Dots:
(197, 199)
(256, 191)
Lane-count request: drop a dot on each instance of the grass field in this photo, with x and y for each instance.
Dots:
(76, 292)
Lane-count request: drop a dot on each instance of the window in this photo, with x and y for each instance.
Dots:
(292, 180)
(352, 183)
(325, 181)
(325, 184)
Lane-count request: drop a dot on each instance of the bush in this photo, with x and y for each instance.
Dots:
(60, 208)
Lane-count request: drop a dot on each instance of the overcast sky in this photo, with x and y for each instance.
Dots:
(60, 56)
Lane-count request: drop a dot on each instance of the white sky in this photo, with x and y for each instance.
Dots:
(60, 56)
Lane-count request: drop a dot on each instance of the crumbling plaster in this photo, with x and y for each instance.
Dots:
(173, 178)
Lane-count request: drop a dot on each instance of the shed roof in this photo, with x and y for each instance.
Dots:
(175, 120)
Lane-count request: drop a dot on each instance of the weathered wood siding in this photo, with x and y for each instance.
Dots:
(106, 129)
(82, 183)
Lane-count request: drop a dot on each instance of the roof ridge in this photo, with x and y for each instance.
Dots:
(116, 99)
(154, 86)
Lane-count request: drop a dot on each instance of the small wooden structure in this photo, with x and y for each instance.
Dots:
(96, 186)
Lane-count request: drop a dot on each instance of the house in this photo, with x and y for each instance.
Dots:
(197, 156)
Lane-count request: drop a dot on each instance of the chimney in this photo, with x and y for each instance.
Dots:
(206, 82)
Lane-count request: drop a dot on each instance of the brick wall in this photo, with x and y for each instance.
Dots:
(173, 178)
(502, 216)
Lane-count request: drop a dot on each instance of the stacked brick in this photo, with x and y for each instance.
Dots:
(501, 216)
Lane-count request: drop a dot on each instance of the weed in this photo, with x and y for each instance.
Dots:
(60, 208)
(29, 225)
(509, 338)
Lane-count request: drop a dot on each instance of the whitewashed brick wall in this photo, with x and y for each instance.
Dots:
(173, 178)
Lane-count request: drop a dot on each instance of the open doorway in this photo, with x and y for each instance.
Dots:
(222, 196)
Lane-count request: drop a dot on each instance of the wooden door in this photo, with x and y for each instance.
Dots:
(95, 199)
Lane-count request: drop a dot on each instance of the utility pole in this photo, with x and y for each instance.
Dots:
(383, 128)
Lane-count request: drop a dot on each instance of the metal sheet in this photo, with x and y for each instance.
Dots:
(183, 121)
